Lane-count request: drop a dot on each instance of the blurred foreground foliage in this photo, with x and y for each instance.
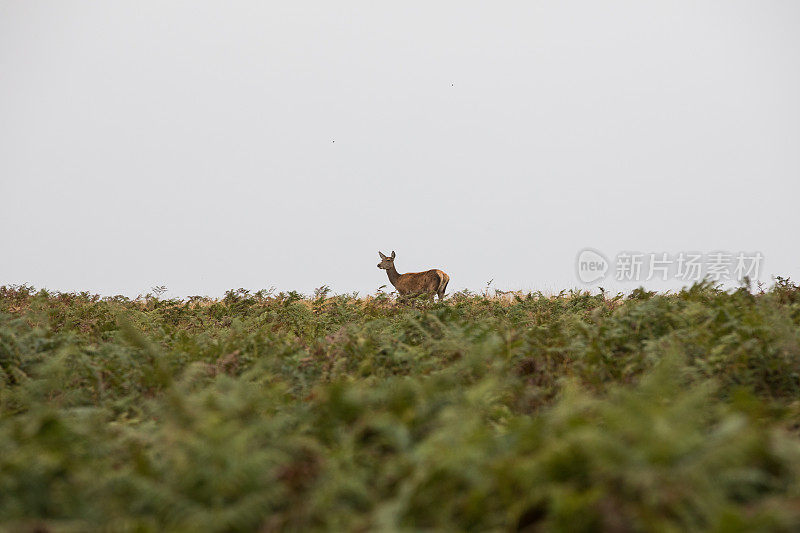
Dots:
(279, 412)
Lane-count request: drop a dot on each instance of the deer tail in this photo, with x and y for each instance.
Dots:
(444, 279)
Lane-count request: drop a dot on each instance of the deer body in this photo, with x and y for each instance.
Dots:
(428, 283)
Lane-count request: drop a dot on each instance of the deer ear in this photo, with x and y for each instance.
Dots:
(392, 254)
(382, 256)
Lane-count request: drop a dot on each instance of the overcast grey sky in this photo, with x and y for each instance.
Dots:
(214, 145)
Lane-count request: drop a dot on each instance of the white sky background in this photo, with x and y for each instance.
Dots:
(189, 144)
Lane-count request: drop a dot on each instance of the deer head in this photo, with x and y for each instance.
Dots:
(386, 262)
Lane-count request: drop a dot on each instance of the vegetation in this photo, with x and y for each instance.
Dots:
(266, 412)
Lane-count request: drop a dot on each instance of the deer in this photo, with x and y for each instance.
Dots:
(428, 283)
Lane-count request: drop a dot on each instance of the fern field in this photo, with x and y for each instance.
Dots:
(282, 412)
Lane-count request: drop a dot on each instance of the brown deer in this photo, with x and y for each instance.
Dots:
(428, 283)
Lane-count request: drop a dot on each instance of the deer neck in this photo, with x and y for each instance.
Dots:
(393, 275)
